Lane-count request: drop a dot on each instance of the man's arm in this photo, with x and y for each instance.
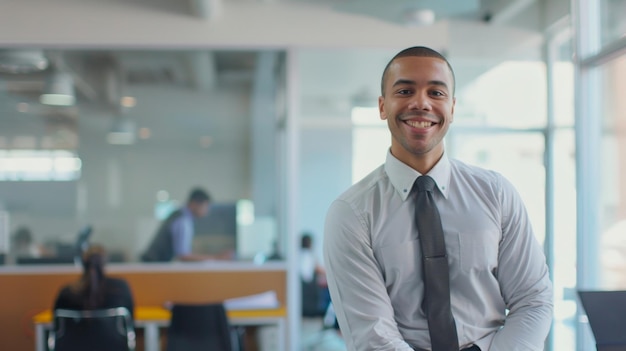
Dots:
(524, 280)
(182, 236)
(356, 285)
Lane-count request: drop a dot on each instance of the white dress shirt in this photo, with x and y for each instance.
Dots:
(374, 265)
(307, 265)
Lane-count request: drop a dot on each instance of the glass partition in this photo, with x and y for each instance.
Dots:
(611, 238)
(613, 24)
(114, 140)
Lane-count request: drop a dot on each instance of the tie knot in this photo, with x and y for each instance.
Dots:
(424, 183)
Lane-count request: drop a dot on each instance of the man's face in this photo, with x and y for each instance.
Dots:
(418, 105)
(199, 209)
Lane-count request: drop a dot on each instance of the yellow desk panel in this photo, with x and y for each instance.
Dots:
(155, 313)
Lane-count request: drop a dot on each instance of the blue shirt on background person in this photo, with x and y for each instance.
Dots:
(174, 238)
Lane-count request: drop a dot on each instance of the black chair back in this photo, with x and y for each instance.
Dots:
(202, 327)
(95, 330)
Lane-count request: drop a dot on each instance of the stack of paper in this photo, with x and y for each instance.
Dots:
(265, 300)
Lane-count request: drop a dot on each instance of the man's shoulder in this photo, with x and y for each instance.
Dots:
(364, 187)
(473, 172)
(176, 213)
(477, 179)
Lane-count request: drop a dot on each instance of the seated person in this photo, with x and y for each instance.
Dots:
(94, 290)
(24, 244)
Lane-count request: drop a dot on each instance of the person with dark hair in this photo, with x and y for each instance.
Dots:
(95, 290)
(315, 297)
(174, 237)
(427, 252)
(24, 244)
(309, 264)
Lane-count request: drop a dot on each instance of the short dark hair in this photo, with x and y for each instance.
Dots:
(416, 51)
(306, 240)
(23, 235)
(199, 195)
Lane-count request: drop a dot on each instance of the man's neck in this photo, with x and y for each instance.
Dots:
(421, 163)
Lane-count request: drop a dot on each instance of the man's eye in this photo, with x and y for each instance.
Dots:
(437, 93)
(404, 91)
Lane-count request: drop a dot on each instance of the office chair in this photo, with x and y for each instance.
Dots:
(201, 327)
(95, 330)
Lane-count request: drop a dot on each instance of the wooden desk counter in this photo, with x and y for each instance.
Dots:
(30, 290)
(151, 318)
(143, 313)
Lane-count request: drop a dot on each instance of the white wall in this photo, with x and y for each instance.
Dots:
(161, 23)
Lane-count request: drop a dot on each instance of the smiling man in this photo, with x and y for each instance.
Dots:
(491, 288)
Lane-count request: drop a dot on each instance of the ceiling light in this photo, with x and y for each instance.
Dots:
(122, 131)
(22, 107)
(144, 133)
(419, 17)
(206, 141)
(162, 195)
(58, 90)
(128, 101)
(22, 61)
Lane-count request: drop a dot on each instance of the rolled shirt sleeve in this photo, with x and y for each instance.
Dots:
(356, 285)
(182, 235)
(524, 280)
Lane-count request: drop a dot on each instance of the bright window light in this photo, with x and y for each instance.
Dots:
(370, 141)
(39, 165)
(366, 116)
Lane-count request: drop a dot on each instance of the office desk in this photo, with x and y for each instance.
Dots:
(151, 318)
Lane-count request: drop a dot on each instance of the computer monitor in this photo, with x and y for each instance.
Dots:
(217, 231)
(606, 312)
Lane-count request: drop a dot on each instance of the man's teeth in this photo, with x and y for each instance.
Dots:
(419, 124)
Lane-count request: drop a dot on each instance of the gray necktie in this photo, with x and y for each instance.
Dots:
(436, 304)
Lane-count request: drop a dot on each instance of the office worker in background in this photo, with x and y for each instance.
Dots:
(174, 238)
(315, 296)
(24, 244)
(373, 251)
(95, 290)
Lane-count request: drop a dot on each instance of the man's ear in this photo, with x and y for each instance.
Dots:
(381, 108)
(452, 110)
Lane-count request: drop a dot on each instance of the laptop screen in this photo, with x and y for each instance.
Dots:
(606, 312)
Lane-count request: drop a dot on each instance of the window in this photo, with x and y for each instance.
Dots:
(370, 141)
(39, 165)
(612, 210)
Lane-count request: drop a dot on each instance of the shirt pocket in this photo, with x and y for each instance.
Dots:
(475, 251)
(400, 263)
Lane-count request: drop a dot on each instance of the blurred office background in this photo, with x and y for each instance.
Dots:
(271, 105)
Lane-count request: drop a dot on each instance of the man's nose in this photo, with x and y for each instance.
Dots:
(420, 101)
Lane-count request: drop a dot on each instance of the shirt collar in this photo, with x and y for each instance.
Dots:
(402, 176)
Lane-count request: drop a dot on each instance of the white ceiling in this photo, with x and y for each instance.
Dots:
(181, 96)
(184, 62)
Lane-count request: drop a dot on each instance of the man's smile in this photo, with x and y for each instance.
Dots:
(419, 124)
